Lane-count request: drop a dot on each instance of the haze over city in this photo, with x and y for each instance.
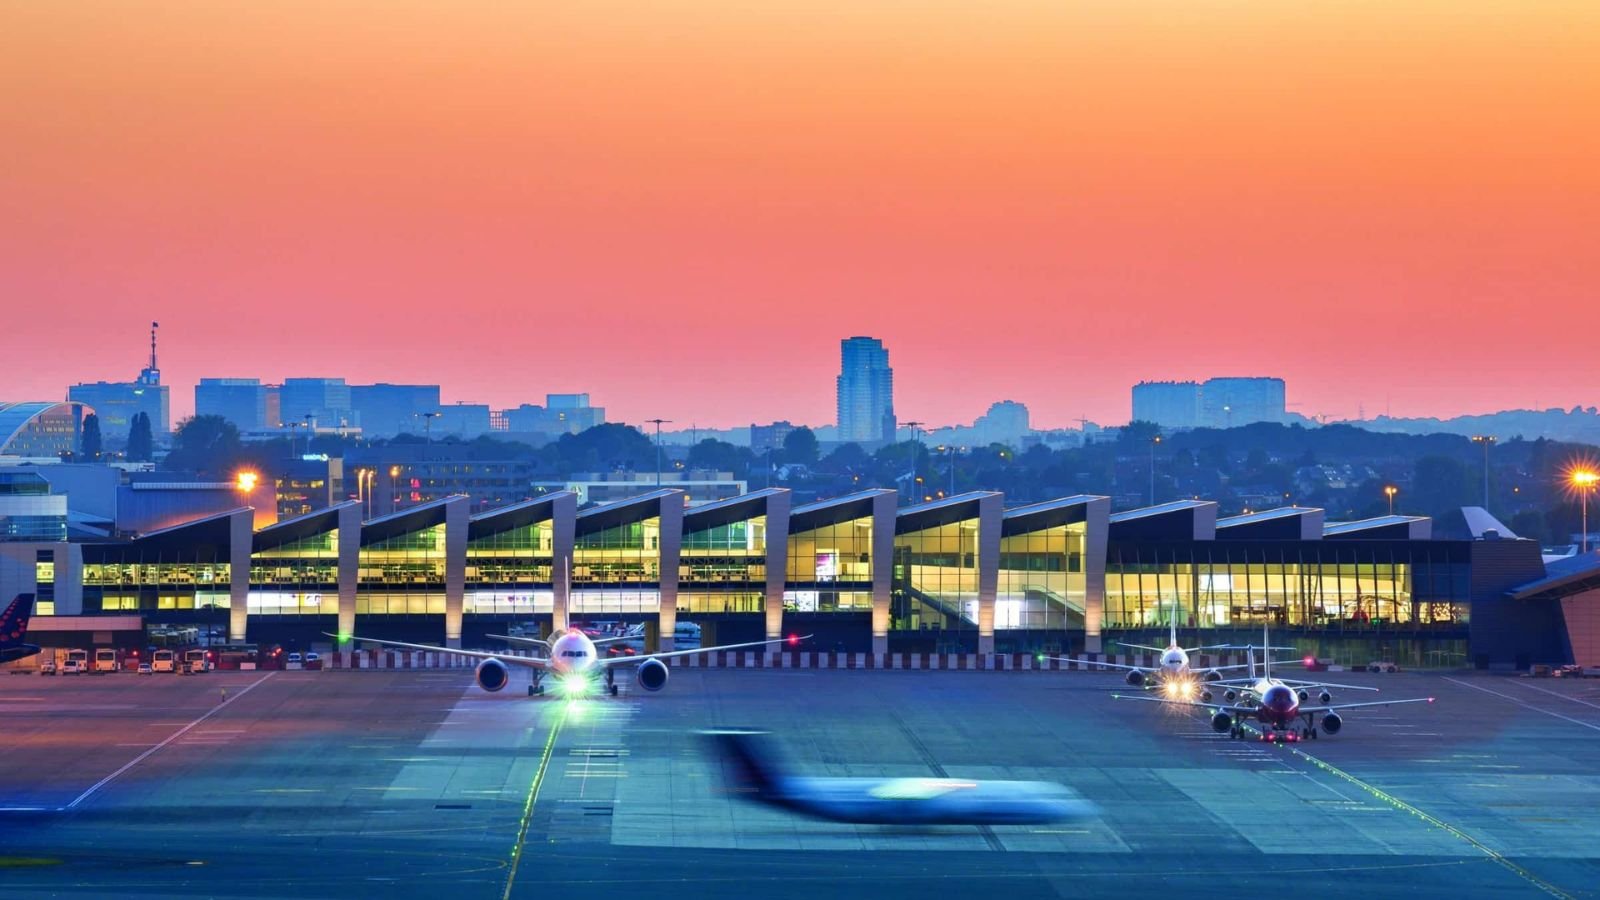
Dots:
(682, 207)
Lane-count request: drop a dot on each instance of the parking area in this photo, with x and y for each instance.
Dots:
(341, 783)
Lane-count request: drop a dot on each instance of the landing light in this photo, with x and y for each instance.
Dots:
(573, 685)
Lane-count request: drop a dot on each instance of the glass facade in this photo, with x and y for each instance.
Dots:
(297, 578)
(44, 580)
(28, 511)
(129, 578)
(723, 568)
(1042, 583)
(1343, 586)
(830, 568)
(403, 575)
(935, 580)
(617, 569)
(511, 571)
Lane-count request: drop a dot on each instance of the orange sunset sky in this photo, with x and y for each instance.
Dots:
(681, 207)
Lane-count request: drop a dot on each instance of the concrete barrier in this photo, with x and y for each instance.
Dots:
(950, 662)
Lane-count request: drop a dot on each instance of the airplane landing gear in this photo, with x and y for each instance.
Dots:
(611, 682)
(536, 688)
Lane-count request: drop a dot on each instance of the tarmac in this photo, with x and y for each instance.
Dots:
(416, 783)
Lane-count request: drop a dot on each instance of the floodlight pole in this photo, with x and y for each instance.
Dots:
(658, 423)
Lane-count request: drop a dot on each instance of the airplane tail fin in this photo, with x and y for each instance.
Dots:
(14, 620)
(1173, 638)
(1266, 655)
(748, 764)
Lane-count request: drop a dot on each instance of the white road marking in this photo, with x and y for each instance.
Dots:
(174, 736)
(1510, 699)
(1534, 687)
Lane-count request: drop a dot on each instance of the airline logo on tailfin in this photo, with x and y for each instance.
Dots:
(14, 621)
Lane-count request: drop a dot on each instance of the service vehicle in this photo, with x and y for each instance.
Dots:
(105, 660)
(72, 667)
(201, 657)
(48, 667)
(164, 661)
(146, 669)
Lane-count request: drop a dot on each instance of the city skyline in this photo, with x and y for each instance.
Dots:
(1047, 202)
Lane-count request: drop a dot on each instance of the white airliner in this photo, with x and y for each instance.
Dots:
(573, 660)
(1172, 668)
(1277, 705)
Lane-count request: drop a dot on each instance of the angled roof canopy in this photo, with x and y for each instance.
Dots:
(948, 511)
(623, 512)
(1185, 520)
(812, 516)
(1414, 528)
(1049, 514)
(726, 512)
(1563, 578)
(287, 531)
(516, 515)
(1292, 523)
(405, 521)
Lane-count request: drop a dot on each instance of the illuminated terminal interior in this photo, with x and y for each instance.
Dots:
(965, 574)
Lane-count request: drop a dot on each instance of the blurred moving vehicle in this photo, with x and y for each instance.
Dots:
(753, 772)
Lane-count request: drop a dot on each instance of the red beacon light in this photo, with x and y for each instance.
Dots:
(794, 640)
(1310, 661)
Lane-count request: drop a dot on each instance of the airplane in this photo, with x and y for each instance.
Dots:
(1172, 669)
(1277, 706)
(572, 659)
(1253, 687)
(13, 625)
(753, 773)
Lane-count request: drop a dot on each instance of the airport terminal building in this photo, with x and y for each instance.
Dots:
(967, 574)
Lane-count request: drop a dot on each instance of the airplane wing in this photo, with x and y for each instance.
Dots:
(1338, 706)
(1221, 707)
(532, 642)
(611, 662)
(1276, 662)
(530, 662)
(601, 642)
(1328, 684)
(1108, 665)
(1143, 647)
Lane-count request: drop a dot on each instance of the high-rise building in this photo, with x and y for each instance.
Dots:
(1170, 404)
(118, 402)
(242, 401)
(865, 391)
(386, 410)
(1006, 422)
(1231, 402)
(326, 401)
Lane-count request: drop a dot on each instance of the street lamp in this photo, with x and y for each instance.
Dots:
(1584, 481)
(246, 482)
(658, 423)
(1487, 440)
(1153, 442)
(915, 480)
(1389, 491)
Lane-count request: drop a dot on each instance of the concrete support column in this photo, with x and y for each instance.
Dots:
(241, 541)
(671, 518)
(1097, 528)
(456, 519)
(883, 517)
(991, 514)
(563, 527)
(349, 532)
(777, 513)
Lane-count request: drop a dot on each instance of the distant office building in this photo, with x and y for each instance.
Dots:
(385, 410)
(307, 483)
(865, 391)
(1170, 404)
(464, 420)
(118, 402)
(698, 485)
(1006, 422)
(242, 401)
(561, 414)
(1231, 402)
(1215, 403)
(325, 402)
(399, 476)
(769, 437)
(42, 430)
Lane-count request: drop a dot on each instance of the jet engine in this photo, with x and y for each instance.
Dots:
(1325, 697)
(1213, 676)
(1304, 697)
(1230, 695)
(1221, 722)
(1331, 723)
(652, 675)
(492, 675)
(1205, 696)
(1136, 678)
